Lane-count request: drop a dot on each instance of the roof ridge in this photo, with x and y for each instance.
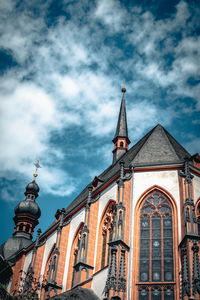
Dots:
(142, 141)
(129, 157)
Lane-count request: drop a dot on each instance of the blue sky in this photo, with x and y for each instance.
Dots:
(62, 64)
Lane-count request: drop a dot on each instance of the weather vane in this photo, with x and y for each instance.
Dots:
(37, 166)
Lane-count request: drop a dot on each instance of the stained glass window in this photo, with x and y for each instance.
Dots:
(144, 294)
(198, 223)
(156, 248)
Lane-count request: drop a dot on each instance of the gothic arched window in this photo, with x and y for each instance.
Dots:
(47, 267)
(198, 217)
(156, 267)
(77, 247)
(107, 231)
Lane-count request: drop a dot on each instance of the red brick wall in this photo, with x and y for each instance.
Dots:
(72, 257)
(16, 278)
(63, 253)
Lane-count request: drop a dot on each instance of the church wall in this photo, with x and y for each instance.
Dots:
(99, 282)
(15, 285)
(74, 224)
(63, 253)
(27, 262)
(127, 204)
(167, 180)
(196, 188)
(92, 234)
(142, 182)
(38, 262)
(108, 194)
(48, 247)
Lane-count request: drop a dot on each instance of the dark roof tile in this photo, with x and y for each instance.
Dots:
(156, 147)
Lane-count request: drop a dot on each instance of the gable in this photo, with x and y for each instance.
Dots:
(156, 149)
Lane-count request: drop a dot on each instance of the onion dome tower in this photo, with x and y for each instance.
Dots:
(121, 140)
(27, 213)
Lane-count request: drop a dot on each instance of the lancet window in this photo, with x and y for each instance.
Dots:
(156, 267)
(107, 232)
(47, 267)
(77, 247)
(77, 254)
(198, 217)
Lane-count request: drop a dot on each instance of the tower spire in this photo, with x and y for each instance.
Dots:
(121, 140)
(27, 212)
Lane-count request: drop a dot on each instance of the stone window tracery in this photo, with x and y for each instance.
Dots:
(198, 216)
(77, 247)
(47, 267)
(156, 267)
(107, 232)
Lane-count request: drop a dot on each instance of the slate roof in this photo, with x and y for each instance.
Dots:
(13, 245)
(78, 293)
(155, 148)
(122, 129)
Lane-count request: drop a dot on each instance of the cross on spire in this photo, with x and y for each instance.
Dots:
(37, 166)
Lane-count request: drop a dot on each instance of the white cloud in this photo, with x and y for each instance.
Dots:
(75, 79)
(145, 116)
(29, 115)
(110, 13)
(158, 39)
(193, 145)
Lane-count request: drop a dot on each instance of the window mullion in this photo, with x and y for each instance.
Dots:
(162, 293)
(150, 249)
(162, 251)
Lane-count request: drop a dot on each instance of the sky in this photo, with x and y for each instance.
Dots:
(62, 65)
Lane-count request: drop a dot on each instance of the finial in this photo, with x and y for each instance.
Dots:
(123, 88)
(37, 166)
(39, 232)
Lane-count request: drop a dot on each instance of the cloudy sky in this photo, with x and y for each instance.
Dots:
(62, 64)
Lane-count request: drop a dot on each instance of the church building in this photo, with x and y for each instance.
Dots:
(132, 234)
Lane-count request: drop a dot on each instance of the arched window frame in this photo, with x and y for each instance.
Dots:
(74, 253)
(76, 250)
(105, 235)
(107, 229)
(46, 270)
(136, 245)
(197, 212)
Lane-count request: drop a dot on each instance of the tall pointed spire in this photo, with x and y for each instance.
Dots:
(121, 140)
